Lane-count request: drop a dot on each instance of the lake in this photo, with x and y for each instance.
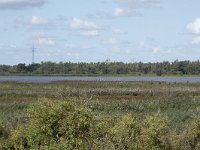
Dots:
(47, 79)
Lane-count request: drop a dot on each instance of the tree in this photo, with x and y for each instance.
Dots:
(21, 68)
(33, 67)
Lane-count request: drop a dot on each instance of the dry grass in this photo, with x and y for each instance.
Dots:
(180, 102)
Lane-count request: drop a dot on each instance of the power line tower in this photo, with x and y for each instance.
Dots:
(33, 54)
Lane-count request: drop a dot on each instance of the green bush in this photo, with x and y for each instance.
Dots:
(53, 123)
(60, 125)
(125, 133)
(3, 132)
(154, 133)
(192, 136)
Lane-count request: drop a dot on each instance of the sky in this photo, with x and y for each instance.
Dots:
(99, 30)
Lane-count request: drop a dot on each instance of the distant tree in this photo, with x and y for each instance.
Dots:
(5, 68)
(107, 67)
(183, 67)
(21, 68)
(33, 67)
(92, 69)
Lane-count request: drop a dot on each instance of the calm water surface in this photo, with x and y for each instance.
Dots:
(47, 79)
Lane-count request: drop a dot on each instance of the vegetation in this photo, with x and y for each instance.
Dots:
(105, 68)
(100, 115)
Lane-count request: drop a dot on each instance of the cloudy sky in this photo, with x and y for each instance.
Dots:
(96, 30)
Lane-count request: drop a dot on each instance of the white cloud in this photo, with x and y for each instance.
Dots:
(111, 41)
(76, 46)
(41, 39)
(121, 12)
(4, 46)
(46, 41)
(196, 40)
(156, 49)
(84, 27)
(119, 31)
(90, 33)
(118, 12)
(20, 4)
(79, 24)
(159, 50)
(194, 27)
(140, 3)
(133, 47)
(36, 20)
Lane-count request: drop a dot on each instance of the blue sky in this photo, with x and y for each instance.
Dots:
(97, 30)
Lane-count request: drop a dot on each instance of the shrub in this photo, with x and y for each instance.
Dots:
(125, 132)
(4, 133)
(192, 136)
(154, 133)
(54, 123)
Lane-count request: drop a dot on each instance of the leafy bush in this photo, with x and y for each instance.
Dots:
(192, 137)
(125, 132)
(4, 133)
(54, 125)
(50, 123)
(154, 133)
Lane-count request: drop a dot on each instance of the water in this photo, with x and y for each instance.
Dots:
(47, 79)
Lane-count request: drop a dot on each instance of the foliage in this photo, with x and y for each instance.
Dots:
(154, 133)
(124, 133)
(64, 125)
(50, 123)
(137, 68)
(192, 136)
(100, 115)
(4, 133)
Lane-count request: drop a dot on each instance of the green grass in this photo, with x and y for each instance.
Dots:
(109, 102)
(180, 102)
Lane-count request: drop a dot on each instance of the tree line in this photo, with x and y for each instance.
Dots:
(105, 68)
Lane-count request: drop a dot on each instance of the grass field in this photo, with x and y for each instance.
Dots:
(178, 102)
